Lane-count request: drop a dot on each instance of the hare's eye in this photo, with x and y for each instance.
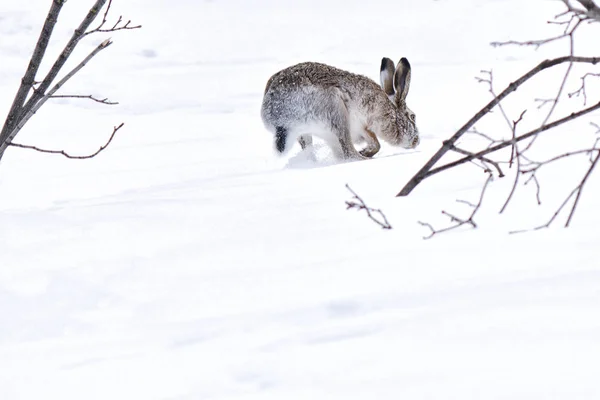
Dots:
(412, 117)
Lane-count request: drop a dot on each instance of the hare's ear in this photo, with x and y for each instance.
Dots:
(386, 75)
(402, 78)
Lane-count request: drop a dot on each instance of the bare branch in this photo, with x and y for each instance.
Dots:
(425, 171)
(551, 220)
(62, 58)
(63, 153)
(533, 178)
(78, 96)
(497, 147)
(567, 33)
(359, 204)
(536, 165)
(511, 125)
(534, 43)
(483, 159)
(118, 26)
(563, 83)
(575, 192)
(515, 155)
(29, 78)
(544, 102)
(491, 141)
(104, 19)
(582, 88)
(456, 221)
(589, 10)
(577, 12)
(23, 120)
(23, 108)
(580, 188)
(490, 81)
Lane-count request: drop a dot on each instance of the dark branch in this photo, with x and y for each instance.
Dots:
(590, 10)
(77, 96)
(582, 89)
(359, 204)
(534, 166)
(29, 78)
(118, 26)
(456, 221)
(23, 119)
(568, 33)
(580, 189)
(533, 178)
(515, 155)
(424, 172)
(63, 153)
(507, 143)
(575, 192)
(64, 55)
(484, 160)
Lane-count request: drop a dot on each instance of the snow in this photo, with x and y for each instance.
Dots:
(188, 261)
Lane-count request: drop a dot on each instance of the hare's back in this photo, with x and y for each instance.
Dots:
(309, 74)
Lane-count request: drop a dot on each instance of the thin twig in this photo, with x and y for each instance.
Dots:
(359, 204)
(483, 159)
(426, 170)
(580, 189)
(456, 221)
(29, 78)
(23, 120)
(515, 154)
(116, 27)
(538, 164)
(78, 96)
(490, 82)
(533, 178)
(574, 17)
(575, 192)
(490, 139)
(563, 83)
(582, 88)
(64, 153)
(62, 58)
(510, 142)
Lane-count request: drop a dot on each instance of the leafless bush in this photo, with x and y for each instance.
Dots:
(33, 93)
(520, 160)
(375, 215)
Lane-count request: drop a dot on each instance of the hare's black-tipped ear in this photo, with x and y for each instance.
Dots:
(386, 75)
(402, 78)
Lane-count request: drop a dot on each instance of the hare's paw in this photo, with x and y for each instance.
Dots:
(368, 152)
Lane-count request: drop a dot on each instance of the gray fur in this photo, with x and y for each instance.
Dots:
(340, 107)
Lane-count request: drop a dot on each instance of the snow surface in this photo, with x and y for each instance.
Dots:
(188, 261)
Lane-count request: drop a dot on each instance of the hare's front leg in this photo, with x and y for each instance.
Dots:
(373, 145)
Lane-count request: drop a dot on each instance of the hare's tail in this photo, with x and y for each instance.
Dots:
(281, 136)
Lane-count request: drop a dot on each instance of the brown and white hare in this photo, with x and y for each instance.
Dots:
(340, 107)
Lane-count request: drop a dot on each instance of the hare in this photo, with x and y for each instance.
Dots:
(340, 107)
